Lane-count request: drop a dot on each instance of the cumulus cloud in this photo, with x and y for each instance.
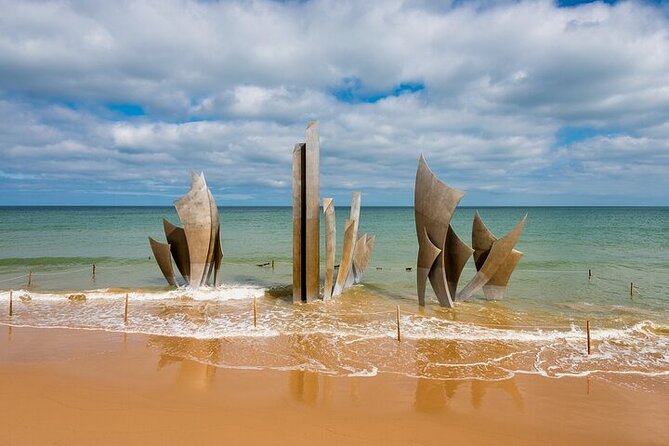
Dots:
(520, 97)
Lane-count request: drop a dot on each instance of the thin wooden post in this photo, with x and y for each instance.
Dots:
(125, 314)
(399, 333)
(272, 263)
(30, 277)
(94, 272)
(589, 274)
(587, 330)
(631, 289)
(10, 303)
(255, 313)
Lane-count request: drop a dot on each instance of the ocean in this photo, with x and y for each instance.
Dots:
(539, 327)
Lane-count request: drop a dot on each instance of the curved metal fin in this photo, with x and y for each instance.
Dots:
(456, 253)
(215, 227)
(346, 257)
(218, 257)
(427, 254)
(345, 273)
(482, 240)
(498, 253)
(361, 256)
(161, 252)
(176, 237)
(496, 286)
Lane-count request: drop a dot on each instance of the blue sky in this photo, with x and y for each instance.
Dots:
(515, 102)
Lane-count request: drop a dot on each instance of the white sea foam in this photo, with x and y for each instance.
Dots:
(220, 293)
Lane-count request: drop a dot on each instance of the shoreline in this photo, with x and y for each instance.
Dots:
(69, 386)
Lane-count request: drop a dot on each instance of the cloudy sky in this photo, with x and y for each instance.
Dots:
(515, 102)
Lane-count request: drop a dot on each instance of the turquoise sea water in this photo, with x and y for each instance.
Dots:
(550, 290)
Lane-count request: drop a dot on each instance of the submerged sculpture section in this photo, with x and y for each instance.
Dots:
(195, 248)
(495, 260)
(442, 255)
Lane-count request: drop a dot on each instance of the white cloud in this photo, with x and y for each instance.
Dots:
(228, 87)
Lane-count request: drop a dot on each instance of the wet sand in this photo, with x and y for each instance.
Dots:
(79, 387)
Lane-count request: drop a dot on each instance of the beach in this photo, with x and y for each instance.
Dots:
(82, 387)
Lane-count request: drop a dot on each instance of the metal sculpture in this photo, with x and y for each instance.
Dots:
(161, 252)
(350, 238)
(442, 255)
(196, 248)
(330, 246)
(306, 217)
(495, 260)
(361, 254)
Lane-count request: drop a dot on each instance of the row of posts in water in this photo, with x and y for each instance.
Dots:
(30, 274)
(255, 318)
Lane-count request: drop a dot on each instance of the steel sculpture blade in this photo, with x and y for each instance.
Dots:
(330, 246)
(496, 286)
(434, 204)
(161, 252)
(456, 255)
(194, 210)
(346, 263)
(346, 257)
(215, 227)
(361, 254)
(218, 257)
(176, 238)
(494, 258)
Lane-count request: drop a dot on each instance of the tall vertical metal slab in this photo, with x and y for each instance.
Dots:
(330, 246)
(306, 217)
(312, 199)
(298, 221)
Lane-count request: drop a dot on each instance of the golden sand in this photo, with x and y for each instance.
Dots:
(78, 387)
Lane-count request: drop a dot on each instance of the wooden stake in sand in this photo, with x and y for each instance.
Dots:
(587, 330)
(94, 272)
(255, 313)
(125, 314)
(10, 303)
(30, 277)
(631, 289)
(399, 333)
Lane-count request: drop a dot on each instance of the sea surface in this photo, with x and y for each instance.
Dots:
(539, 327)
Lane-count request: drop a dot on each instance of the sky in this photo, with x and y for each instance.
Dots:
(517, 103)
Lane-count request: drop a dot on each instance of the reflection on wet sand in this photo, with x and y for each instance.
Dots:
(194, 356)
(303, 386)
(509, 386)
(432, 395)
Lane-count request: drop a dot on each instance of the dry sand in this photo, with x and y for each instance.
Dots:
(77, 387)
